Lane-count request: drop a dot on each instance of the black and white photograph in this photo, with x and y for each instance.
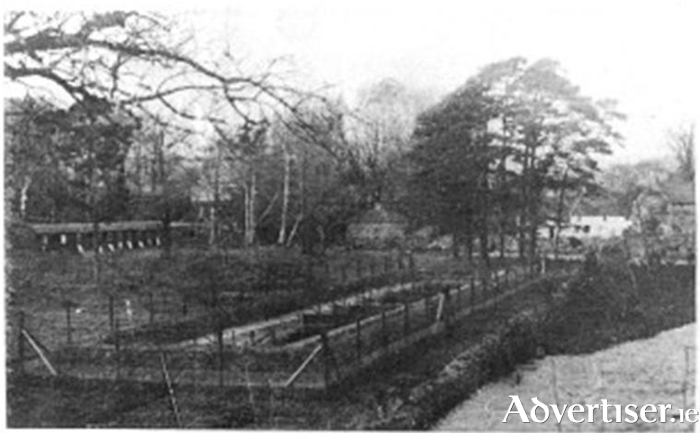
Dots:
(350, 215)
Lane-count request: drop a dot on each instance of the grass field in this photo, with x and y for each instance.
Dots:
(147, 288)
(639, 372)
(150, 292)
(57, 402)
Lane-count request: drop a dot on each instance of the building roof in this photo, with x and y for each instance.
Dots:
(379, 215)
(680, 193)
(87, 227)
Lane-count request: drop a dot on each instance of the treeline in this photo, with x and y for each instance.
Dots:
(509, 151)
(262, 160)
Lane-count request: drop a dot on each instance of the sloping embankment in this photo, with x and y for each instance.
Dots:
(603, 306)
(657, 370)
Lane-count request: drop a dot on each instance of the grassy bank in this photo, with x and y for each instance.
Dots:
(413, 389)
(608, 304)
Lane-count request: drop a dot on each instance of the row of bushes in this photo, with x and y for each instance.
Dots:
(617, 302)
(517, 340)
(611, 302)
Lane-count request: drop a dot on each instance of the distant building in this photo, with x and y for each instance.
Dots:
(664, 218)
(598, 226)
(681, 208)
(377, 228)
(668, 208)
(588, 227)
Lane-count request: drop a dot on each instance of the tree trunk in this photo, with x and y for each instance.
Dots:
(503, 205)
(295, 227)
(24, 197)
(470, 247)
(525, 192)
(285, 197)
(534, 200)
(94, 217)
(249, 235)
(302, 210)
(560, 214)
(213, 211)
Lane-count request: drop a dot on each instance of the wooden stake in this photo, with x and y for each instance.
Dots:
(111, 313)
(171, 391)
(406, 319)
(326, 360)
(37, 348)
(69, 332)
(685, 376)
(20, 341)
(385, 336)
(554, 387)
(427, 310)
(472, 295)
(303, 366)
(151, 308)
(358, 340)
(117, 357)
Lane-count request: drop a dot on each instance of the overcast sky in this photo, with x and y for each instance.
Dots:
(641, 53)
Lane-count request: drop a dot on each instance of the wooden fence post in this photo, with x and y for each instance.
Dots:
(117, 347)
(471, 286)
(447, 310)
(406, 319)
(151, 308)
(358, 340)
(385, 336)
(20, 341)
(412, 265)
(111, 313)
(164, 301)
(326, 360)
(309, 270)
(69, 331)
(220, 341)
(427, 310)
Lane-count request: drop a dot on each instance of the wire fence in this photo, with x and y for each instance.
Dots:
(314, 348)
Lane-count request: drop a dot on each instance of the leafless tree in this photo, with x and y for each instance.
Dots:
(681, 141)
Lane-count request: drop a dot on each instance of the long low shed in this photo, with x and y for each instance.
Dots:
(112, 235)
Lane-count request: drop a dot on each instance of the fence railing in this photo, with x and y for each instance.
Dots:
(344, 350)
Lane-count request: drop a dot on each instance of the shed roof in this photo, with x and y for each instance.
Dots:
(87, 227)
(680, 193)
(380, 215)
